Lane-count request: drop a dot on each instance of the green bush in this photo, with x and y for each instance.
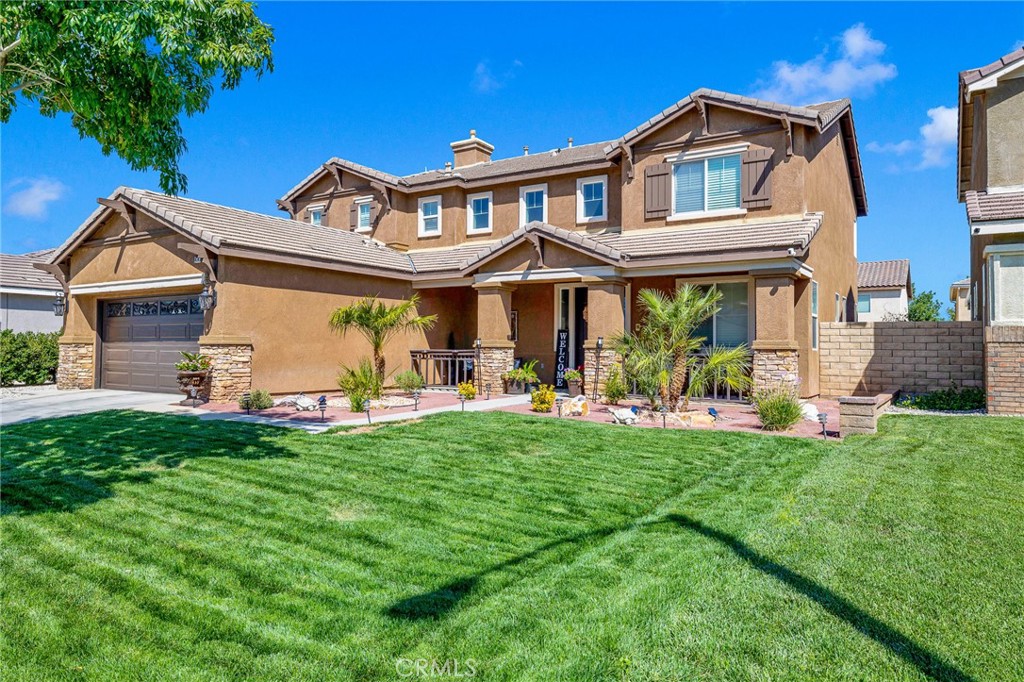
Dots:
(543, 399)
(778, 408)
(360, 384)
(948, 400)
(258, 400)
(409, 381)
(614, 387)
(467, 389)
(28, 357)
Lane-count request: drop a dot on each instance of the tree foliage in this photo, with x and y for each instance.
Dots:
(379, 322)
(126, 71)
(925, 307)
(667, 357)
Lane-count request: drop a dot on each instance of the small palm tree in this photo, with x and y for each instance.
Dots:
(379, 322)
(666, 355)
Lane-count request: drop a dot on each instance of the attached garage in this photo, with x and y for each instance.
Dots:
(143, 339)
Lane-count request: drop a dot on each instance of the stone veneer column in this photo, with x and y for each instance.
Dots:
(231, 368)
(776, 354)
(494, 329)
(606, 319)
(1004, 369)
(76, 365)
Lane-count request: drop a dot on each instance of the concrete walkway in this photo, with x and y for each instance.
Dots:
(50, 404)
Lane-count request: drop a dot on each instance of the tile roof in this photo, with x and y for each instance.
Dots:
(965, 282)
(793, 232)
(974, 75)
(881, 274)
(982, 206)
(442, 260)
(18, 271)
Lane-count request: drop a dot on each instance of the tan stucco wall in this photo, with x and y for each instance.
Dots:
(536, 306)
(1004, 111)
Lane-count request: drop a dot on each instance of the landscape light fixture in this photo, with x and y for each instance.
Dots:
(823, 418)
(558, 401)
(322, 404)
(60, 304)
(368, 420)
(416, 400)
(488, 387)
(463, 399)
(597, 366)
(664, 416)
(247, 401)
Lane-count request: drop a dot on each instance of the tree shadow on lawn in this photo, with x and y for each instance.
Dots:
(59, 465)
(439, 602)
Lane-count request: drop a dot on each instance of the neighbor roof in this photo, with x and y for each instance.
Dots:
(971, 76)
(965, 282)
(883, 274)
(18, 272)
(821, 116)
(983, 206)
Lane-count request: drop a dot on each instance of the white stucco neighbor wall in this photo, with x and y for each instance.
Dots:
(28, 312)
(884, 303)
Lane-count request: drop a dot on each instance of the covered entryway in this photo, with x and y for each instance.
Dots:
(143, 338)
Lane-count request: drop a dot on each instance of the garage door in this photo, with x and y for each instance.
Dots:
(142, 340)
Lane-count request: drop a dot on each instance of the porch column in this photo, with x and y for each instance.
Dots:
(606, 300)
(776, 353)
(494, 329)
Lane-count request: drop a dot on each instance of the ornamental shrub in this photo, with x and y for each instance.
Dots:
(28, 357)
(409, 381)
(543, 399)
(614, 386)
(947, 400)
(362, 380)
(258, 400)
(778, 408)
(467, 389)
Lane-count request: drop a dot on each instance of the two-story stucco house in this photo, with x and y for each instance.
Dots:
(884, 290)
(990, 181)
(537, 256)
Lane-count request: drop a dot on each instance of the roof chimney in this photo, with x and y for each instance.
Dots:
(570, 141)
(473, 150)
(526, 150)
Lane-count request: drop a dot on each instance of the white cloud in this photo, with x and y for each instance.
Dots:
(34, 199)
(856, 71)
(936, 141)
(486, 81)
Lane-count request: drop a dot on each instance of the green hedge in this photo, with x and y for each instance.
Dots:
(28, 357)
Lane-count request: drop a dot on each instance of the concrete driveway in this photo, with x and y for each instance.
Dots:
(30, 406)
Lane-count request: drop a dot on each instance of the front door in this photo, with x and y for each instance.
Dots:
(571, 331)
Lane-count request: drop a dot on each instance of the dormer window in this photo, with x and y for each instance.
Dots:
(479, 213)
(706, 183)
(316, 215)
(591, 199)
(533, 204)
(430, 216)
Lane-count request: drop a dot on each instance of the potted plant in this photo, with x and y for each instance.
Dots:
(520, 379)
(193, 370)
(574, 379)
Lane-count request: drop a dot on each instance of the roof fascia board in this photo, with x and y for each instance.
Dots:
(992, 80)
(29, 291)
(981, 228)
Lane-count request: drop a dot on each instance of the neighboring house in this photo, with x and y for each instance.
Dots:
(535, 256)
(883, 290)
(990, 179)
(27, 294)
(960, 297)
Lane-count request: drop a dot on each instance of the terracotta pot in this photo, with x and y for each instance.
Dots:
(575, 387)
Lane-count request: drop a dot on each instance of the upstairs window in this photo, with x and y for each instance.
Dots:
(316, 215)
(363, 216)
(533, 204)
(479, 212)
(706, 185)
(591, 203)
(430, 216)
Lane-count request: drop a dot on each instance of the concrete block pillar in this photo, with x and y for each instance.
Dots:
(494, 329)
(606, 319)
(776, 353)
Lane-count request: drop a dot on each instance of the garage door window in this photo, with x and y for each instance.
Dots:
(181, 306)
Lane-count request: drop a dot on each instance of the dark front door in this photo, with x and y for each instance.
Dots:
(580, 324)
(142, 340)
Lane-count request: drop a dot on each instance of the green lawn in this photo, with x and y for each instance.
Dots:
(146, 547)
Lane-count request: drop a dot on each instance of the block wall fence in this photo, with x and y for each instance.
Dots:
(859, 358)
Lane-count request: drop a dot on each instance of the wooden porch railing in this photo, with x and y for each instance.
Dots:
(444, 368)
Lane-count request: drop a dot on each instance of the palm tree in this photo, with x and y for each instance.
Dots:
(378, 322)
(666, 355)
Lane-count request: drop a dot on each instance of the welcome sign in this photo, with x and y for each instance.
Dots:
(561, 357)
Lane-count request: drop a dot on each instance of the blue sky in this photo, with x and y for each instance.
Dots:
(391, 85)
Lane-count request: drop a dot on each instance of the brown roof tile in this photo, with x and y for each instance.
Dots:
(973, 75)
(982, 206)
(883, 274)
(18, 271)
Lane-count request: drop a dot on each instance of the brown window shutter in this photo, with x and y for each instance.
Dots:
(658, 190)
(353, 215)
(375, 211)
(756, 178)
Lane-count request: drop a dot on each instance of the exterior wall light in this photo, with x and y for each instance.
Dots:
(207, 299)
(60, 304)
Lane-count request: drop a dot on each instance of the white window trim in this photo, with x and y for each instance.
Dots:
(361, 201)
(837, 308)
(991, 254)
(419, 216)
(490, 213)
(580, 219)
(704, 155)
(523, 191)
(815, 327)
(310, 210)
